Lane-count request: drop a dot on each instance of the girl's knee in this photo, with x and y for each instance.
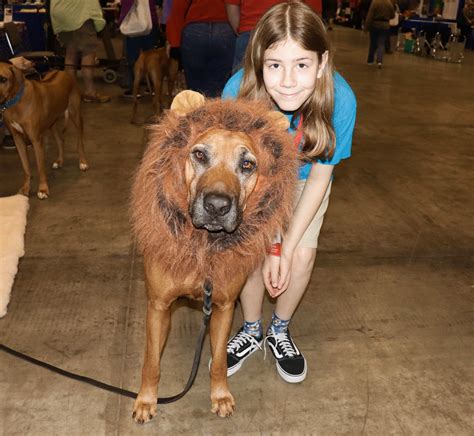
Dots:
(303, 260)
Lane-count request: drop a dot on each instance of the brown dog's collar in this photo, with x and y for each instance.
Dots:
(13, 101)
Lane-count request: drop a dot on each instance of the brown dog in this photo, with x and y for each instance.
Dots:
(215, 185)
(153, 65)
(30, 108)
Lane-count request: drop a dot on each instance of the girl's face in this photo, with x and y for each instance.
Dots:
(290, 73)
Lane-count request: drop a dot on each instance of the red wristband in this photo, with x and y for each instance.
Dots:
(275, 249)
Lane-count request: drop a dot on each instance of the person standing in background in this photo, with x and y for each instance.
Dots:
(206, 41)
(243, 16)
(76, 23)
(136, 44)
(377, 24)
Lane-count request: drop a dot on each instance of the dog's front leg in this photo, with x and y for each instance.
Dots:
(222, 400)
(43, 190)
(25, 162)
(157, 327)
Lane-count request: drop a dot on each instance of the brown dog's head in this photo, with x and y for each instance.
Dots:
(11, 79)
(221, 170)
(217, 179)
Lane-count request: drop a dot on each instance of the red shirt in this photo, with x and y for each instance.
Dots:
(252, 10)
(192, 11)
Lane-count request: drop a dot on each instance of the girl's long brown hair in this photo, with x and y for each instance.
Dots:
(295, 20)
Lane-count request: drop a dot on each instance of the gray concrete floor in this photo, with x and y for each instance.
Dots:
(386, 324)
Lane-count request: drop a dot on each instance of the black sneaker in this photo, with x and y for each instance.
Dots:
(290, 363)
(239, 347)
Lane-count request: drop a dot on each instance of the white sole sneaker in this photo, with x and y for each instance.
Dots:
(237, 366)
(289, 377)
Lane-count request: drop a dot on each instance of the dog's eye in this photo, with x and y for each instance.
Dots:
(200, 155)
(3, 79)
(248, 165)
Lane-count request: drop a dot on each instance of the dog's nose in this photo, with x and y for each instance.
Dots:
(217, 204)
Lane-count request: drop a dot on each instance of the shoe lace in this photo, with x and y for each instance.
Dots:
(282, 340)
(240, 340)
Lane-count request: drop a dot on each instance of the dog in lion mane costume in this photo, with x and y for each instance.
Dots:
(160, 205)
(180, 256)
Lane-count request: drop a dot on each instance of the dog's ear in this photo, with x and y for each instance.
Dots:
(17, 75)
(280, 120)
(187, 101)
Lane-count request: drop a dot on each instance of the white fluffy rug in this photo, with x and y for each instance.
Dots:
(13, 211)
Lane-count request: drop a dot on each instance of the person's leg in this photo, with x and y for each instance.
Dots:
(381, 37)
(301, 269)
(194, 55)
(372, 46)
(251, 297)
(85, 41)
(87, 72)
(387, 45)
(149, 41)
(249, 338)
(220, 57)
(132, 51)
(388, 41)
(240, 46)
(290, 362)
(71, 60)
(88, 66)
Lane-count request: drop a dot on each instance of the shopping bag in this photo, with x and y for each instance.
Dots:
(396, 19)
(138, 20)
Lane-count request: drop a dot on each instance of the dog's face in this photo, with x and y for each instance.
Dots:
(221, 172)
(10, 77)
(221, 169)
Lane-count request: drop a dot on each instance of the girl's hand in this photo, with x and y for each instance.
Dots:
(276, 273)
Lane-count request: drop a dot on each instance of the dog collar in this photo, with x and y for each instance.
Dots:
(16, 98)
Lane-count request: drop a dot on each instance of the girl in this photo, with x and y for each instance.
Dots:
(289, 63)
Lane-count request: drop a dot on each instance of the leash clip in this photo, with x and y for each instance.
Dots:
(207, 299)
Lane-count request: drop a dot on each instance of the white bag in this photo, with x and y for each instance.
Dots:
(396, 19)
(138, 20)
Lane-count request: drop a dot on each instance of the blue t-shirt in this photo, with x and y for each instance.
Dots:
(343, 118)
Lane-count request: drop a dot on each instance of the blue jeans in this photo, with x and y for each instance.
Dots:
(207, 51)
(377, 44)
(240, 47)
(133, 47)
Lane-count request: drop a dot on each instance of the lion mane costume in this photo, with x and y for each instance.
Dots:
(159, 207)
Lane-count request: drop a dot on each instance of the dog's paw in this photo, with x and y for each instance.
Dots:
(57, 164)
(83, 166)
(42, 195)
(223, 406)
(143, 412)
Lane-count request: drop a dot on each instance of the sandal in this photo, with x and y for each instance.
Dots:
(95, 98)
